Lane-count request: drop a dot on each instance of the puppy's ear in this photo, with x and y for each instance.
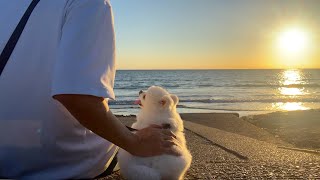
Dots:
(175, 99)
(166, 101)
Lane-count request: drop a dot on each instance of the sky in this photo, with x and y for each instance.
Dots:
(213, 34)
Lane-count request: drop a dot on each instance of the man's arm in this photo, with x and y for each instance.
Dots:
(94, 113)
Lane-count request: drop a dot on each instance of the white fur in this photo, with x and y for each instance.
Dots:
(158, 107)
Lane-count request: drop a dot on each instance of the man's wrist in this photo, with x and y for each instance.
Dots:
(131, 143)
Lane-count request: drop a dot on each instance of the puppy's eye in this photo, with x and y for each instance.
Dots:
(144, 96)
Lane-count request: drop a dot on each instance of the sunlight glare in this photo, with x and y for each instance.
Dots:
(291, 91)
(293, 42)
(294, 78)
(291, 77)
(289, 106)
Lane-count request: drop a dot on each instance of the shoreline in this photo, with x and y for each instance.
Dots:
(200, 111)
(241, 114)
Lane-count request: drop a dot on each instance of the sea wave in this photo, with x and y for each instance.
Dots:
(141, 87)
(135, 107)
(250, 100)
(219, 101)
(262, 85)
(221, 109)
(183, 86)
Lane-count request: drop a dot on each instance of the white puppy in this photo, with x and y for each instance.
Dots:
(157, 107)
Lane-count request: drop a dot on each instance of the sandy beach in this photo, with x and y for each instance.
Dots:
(275, 145)
(300, 128)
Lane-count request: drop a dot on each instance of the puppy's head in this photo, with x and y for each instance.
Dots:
(157, 98)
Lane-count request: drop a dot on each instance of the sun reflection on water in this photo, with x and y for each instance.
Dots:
(291, 78)
(291, 82)
(292, 91)
(289, 106)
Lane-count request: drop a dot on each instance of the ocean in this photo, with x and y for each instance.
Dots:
(245, 92)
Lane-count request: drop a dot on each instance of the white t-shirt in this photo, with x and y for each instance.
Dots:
(67, 47)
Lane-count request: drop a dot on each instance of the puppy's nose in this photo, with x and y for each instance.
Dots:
(140, 92)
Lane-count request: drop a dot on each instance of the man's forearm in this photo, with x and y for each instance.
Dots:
(93, 113)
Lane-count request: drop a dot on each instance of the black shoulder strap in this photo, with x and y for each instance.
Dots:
(131, 129)
(114, 161)
(8, 49)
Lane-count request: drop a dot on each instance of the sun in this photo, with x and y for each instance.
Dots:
(293, 42)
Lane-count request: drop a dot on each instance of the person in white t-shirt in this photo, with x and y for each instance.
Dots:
(55, 122)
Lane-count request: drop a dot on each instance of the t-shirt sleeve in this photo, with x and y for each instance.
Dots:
(85, 61)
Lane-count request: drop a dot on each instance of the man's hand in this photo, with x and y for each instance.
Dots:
(154, 140)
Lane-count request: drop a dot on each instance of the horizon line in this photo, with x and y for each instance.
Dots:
(220, 69)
